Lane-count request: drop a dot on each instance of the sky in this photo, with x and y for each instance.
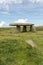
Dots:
(21, 11)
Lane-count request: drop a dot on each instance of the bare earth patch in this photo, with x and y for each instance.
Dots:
(30, 42)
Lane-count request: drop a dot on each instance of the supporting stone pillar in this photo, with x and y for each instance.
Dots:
(32, 28)
(24, 28)
(18, 28)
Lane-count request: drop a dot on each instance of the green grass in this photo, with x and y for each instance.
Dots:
(39, 28)
(15, 51)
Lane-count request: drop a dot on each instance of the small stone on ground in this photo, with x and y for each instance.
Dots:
(30, 42)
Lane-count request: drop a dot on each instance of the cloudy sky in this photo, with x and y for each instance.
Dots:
(21, 10)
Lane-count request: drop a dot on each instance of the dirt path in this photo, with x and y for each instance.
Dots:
(30, 42)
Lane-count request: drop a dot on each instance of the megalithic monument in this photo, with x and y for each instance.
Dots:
(18, 26)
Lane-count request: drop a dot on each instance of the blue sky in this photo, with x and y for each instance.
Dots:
(26, 10)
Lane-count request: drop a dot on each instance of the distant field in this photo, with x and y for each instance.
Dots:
(15, 51)
(39, 28)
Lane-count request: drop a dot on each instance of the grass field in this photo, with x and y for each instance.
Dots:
(15, 51)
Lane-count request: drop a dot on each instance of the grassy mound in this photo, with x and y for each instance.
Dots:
(15, 52)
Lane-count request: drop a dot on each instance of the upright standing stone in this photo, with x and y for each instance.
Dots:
(24, 28)
(32, 28)
(18, 28)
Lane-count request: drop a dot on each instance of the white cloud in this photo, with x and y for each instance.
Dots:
(5, 13)
(19, 1)
(1, 1)
(3, 24)
(7, 1)
(21, 21)
(6, 7)
(6, 4)
(36, 1)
